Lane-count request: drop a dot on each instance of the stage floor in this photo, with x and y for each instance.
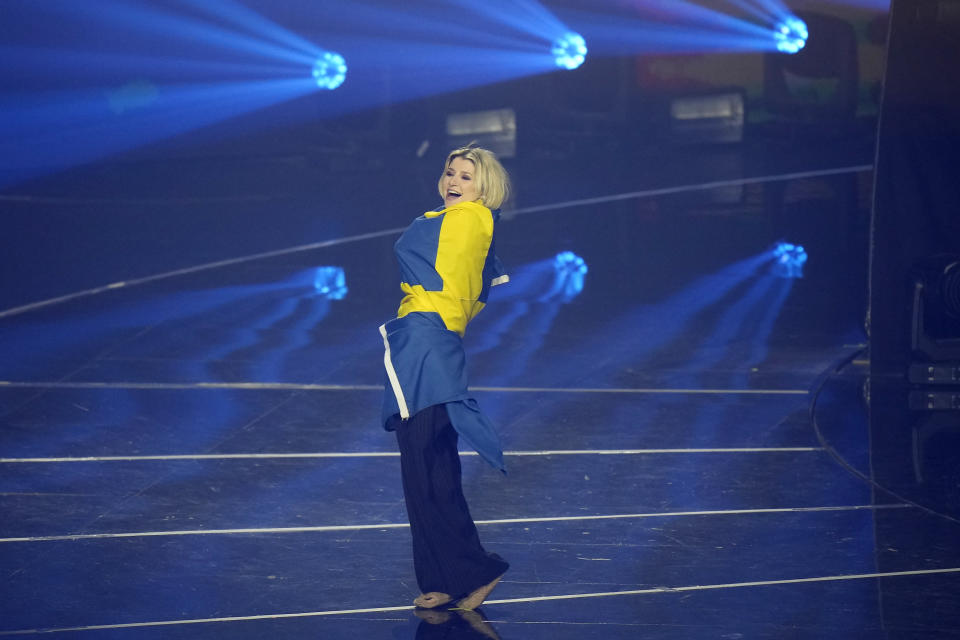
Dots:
(199, 455)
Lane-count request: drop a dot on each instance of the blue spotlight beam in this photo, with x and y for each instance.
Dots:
(766, 8)
(642, 37)
(638, 35)
(108, 68)
(685, 27)
(257, 24)
(137, 75)
(529, 307)
(648, 328)
(760, 9)
(691, 15)
(78, 127)
(525, 16)
(415, 29)
(567, 48)
(733, 326)
(420, 69)
(789, 32)
(161, 28)
(53, 130)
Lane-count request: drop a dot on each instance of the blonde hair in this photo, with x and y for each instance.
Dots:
(493, 183)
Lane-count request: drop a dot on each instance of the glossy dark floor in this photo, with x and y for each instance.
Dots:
(200, 456)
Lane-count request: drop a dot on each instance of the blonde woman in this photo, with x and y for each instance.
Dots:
(448, 265)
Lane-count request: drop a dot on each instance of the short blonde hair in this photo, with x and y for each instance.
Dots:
(493, 183)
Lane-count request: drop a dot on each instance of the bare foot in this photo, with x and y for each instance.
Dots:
(476, 598)
(432, 599)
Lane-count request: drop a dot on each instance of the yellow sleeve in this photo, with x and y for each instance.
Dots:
(465, 237)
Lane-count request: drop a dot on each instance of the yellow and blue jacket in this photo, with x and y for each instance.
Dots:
(448, 264)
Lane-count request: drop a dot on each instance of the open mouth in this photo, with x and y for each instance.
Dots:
(453, 194)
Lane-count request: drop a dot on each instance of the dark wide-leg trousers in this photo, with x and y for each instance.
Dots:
(447, 553)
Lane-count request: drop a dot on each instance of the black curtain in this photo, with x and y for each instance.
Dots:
(916, 209)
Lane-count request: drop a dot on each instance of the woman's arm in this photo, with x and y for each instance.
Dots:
(465, 237)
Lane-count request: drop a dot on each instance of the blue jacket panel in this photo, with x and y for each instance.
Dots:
(424, 359)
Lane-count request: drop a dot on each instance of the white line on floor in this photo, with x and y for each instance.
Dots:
(263, 386)
(200, 267)
(395, 454)
(650, 390)
(294, 386)
(575, 596)
(731, 585)
(362, 527)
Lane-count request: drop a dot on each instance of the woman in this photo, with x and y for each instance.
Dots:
(447, 264)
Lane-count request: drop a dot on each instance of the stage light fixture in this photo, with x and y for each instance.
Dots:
(791, 35)
(569, 50)
(330, 283)
(788, 260)
(330, 70)
(935, 332)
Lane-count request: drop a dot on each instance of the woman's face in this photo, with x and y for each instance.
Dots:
(460, 182)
